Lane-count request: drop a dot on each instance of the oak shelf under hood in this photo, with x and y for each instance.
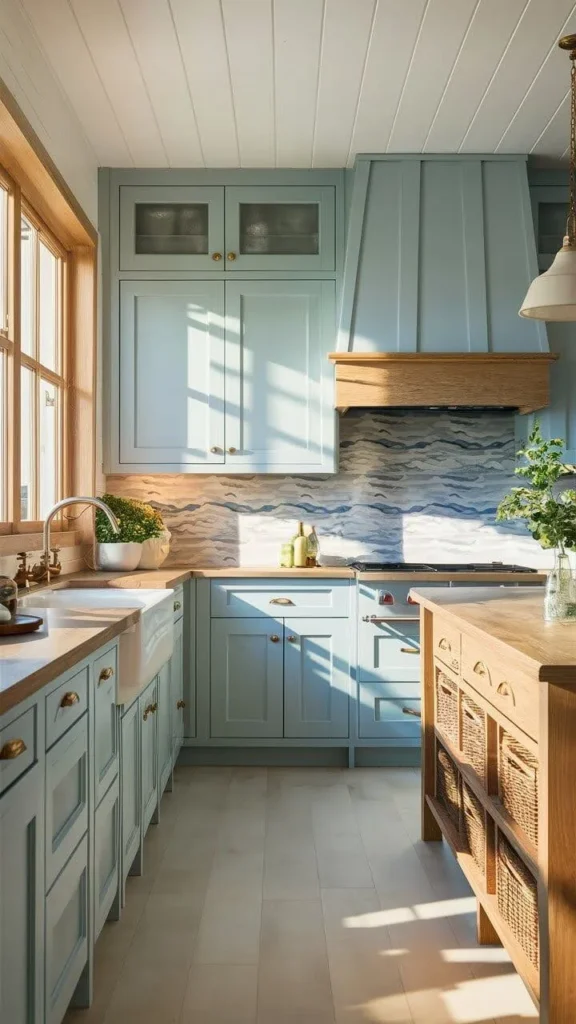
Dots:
(446, 380)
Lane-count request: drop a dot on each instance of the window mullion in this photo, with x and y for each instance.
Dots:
(14, 371)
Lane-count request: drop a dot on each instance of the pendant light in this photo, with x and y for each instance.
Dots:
(552, 295)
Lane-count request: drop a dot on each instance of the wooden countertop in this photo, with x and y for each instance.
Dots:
(67, 636)
(514, 621)
(171, 577)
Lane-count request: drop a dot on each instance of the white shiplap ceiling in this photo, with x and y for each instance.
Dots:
(308, 83)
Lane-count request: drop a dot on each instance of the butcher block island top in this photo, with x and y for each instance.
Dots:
(498, 769)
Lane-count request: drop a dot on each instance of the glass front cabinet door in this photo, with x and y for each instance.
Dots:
(171, 228)
(280, 228)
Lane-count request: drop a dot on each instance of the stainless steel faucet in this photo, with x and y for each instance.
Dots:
(96, 502)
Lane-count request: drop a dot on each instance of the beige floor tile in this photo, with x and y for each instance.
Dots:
(290, 1018)
(229, 930)
(294, 975)
(339, 848)
(219, 992)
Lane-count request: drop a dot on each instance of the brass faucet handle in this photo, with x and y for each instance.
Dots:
(22, 575)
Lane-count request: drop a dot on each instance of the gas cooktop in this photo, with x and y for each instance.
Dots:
(454, 567)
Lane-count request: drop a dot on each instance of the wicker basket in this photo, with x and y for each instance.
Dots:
(448, 785)
(447, 706)
(518, 782)
(474, 736)
(517, 894)
(474, 827)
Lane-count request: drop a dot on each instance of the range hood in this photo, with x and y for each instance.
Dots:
(440, 251)
(417, 380)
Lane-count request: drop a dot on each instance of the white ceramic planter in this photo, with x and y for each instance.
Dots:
(113, 557)
(155, 551)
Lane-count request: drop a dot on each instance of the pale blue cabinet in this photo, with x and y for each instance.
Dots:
(172, 372)
(66, 949)
(177, 699)
(67, 799)
(148, 706)
(246, 678)
(105, 719)
(280, 228)
(165, 715)
(106, 865)
(225, 374)
(171, 228)
(131, 787)
(389, 711)
(316, 678)
(22, 899)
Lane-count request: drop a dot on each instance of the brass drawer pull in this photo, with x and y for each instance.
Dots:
(412, 711)
(148, 710)
(12, 749)
(409, 650)
(281, 600)
(480, 669)
(180, 704)
(444, 644)
(177, 606)
(69, 699)
(105, 674)
(274, 639)
(154, 707)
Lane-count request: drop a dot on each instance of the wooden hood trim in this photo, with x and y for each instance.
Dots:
(514, 380)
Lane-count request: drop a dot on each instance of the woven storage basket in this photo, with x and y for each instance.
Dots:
(518, 782)
(474, 736)
(448, 785)
(447, 706)
(474, 827)
(517, 894)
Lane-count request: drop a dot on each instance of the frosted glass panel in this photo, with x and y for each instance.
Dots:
(279, 229)
(172, 228)
(551, 227)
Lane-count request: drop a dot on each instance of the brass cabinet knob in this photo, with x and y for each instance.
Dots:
(180, 704)
(232, 451)
(231, 256)
(274, 639)
(12, 749)
(215, 449)
(69, 699)
(177, 606)
(147, 712)
(154, 707)
(105, 674)
(292, 639)
(216, 256)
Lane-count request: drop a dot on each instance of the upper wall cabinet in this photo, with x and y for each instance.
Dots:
(227, 228)
(440, 255)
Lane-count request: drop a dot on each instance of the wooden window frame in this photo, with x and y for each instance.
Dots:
(37, 190)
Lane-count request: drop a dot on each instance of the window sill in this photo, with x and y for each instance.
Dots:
(13, 543)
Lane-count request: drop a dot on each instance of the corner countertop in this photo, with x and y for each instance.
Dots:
(513, 620)
(66, 637)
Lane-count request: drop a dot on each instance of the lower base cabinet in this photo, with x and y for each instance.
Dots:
(178, 703)
(130, 787)
(66, 797)
(316, 678)
(148, 706)
(22, 902)
(66, 948)
(165, 714)
(106, 856)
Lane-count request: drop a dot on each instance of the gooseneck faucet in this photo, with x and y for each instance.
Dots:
(96, 502)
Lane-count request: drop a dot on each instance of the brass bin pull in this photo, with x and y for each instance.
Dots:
(505, 690)
(444, 644)
(412, 711)
(69, 699)
(480, 669)
(105, 674)
(154, 707)
(180, 704)
(12, 749)
(281, 600)
(148, 710)
(409, 650)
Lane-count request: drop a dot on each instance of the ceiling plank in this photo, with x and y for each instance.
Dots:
(106, 36)
(346, 37)
(537, 32)
(394, 34)
(490, 32)
(203, 45)
(552, 141)
(153, 35)
(248, 29)
(443, 30)
(297, 41)
(551, 85)
(60, 37)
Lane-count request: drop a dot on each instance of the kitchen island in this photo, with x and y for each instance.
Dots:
(499, 760)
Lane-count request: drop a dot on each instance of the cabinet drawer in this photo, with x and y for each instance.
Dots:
(387, 600)
(66, 798)
(105, 715)
(106, 856)
(66, 934)
(389, 651)
(502, 685)
(257, 598)
(18, 747)
(389, 710)
(65, 705)
(446, 642)
(178, 602)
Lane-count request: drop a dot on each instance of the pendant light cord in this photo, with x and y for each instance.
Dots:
(571, 223)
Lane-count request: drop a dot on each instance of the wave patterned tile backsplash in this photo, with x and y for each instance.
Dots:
(413, 485)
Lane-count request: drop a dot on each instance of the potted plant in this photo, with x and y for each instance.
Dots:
(549, 511)
(139, 523)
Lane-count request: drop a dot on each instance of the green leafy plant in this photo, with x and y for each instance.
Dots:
(138, 521)
(550, 514)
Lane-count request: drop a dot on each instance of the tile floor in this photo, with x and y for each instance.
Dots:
(298, 896)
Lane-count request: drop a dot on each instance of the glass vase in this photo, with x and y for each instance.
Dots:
(560, 597)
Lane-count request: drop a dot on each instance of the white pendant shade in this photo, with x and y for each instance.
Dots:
(552, 295)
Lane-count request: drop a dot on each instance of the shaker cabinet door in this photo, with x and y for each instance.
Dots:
(170, 228)
(165, 715)
(171, 374)
(177, 700)
(282, 228)
(131, 788)
(279, 393)
(149, 753)
(316, 678)
(246, 678)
